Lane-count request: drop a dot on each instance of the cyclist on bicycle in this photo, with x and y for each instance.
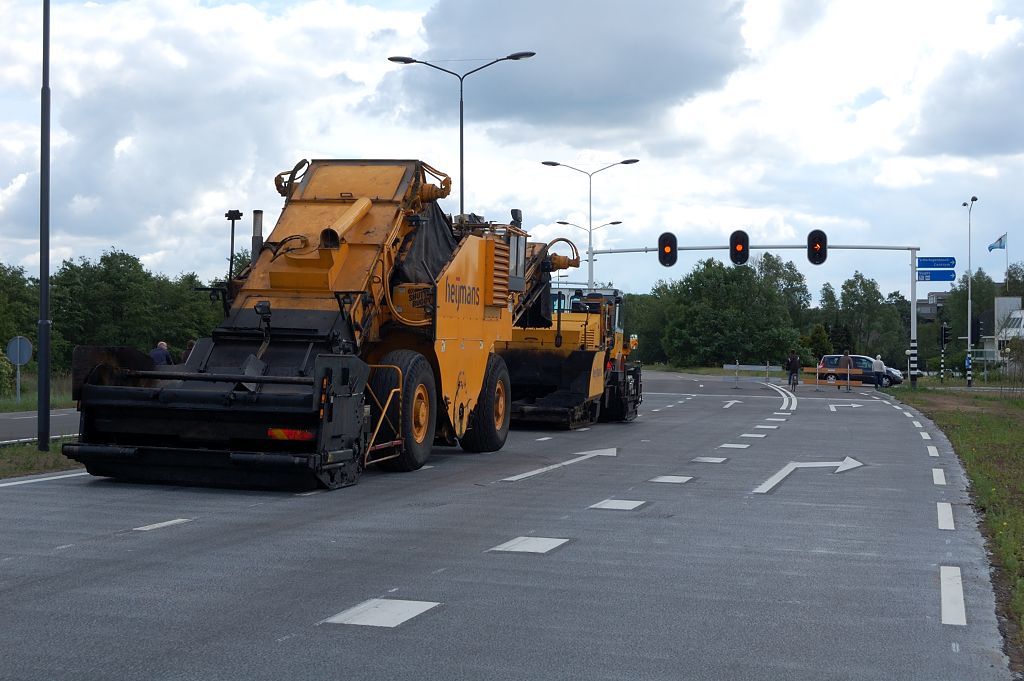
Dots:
(793, 369)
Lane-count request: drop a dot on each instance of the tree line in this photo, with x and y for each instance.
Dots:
(716, 314)
(719, 314)
(113, 301)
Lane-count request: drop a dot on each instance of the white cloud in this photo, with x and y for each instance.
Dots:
(785, 115)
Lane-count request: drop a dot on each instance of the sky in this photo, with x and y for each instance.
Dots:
(873, 121)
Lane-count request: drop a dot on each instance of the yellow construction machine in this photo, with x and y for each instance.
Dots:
(569, 366)
(363, 332)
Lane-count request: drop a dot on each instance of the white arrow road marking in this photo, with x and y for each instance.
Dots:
(846, 464)
(732, 402)
(832, 407)
(582, 457)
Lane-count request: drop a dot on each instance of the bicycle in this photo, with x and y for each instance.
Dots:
(792, 380)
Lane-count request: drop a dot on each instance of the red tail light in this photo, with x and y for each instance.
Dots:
(289, 434)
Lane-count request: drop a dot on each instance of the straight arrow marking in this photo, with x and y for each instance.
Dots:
(846, 464)
(582, 457)
(732, 402)
(832, 407)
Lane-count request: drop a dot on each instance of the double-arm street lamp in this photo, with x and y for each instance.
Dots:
(590, 283)
(970, 275)
(515, 56)
(590, 210)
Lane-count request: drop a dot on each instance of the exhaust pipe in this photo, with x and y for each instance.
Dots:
(257, 236)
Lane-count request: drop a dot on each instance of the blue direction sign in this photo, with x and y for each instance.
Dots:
(935, 264)
(936, 275)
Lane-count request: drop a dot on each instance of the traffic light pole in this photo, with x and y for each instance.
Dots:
(777, 247)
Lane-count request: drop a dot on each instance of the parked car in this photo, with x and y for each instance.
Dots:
(860, 372)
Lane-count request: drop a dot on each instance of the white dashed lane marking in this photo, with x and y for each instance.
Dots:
(709, 459)
(753, 435)
(768, 427)
(917, 424)
(157, 526)
(618, 505)
(945, 515)
(952, 588)
(530, 545)
(677, 479)
(381, 612)
(933, 450)
(732, 446)
(925, 436)
(938, 476)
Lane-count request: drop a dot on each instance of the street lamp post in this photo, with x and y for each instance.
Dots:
(590, 256)
(590, 209)
(970, 275)
(515, 56)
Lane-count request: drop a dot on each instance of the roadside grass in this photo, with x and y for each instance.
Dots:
(60, 394)
(987, 433)
(26, 459)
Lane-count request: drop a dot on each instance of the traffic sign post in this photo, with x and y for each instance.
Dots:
(19, 351)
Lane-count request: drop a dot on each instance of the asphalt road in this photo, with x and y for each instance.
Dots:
(23, 426)
(747, 568)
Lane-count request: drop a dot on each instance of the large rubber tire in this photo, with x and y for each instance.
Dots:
(418, 418)
(886, 381)
(488, 423)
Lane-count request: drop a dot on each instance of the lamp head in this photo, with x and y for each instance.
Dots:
(629, 161)
(615, 222)
(973, 199)
(516, 56)
(562, 222)
(556, 163)
(965, 203)
(402, 60)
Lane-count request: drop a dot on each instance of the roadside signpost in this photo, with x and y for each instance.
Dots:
(19, 351)
(936, 275)
(924, 263)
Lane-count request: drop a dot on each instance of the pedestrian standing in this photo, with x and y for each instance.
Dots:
(160, 354)
(846, 362)
(878, 367)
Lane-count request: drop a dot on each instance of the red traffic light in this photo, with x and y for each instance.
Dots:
(739, 247)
